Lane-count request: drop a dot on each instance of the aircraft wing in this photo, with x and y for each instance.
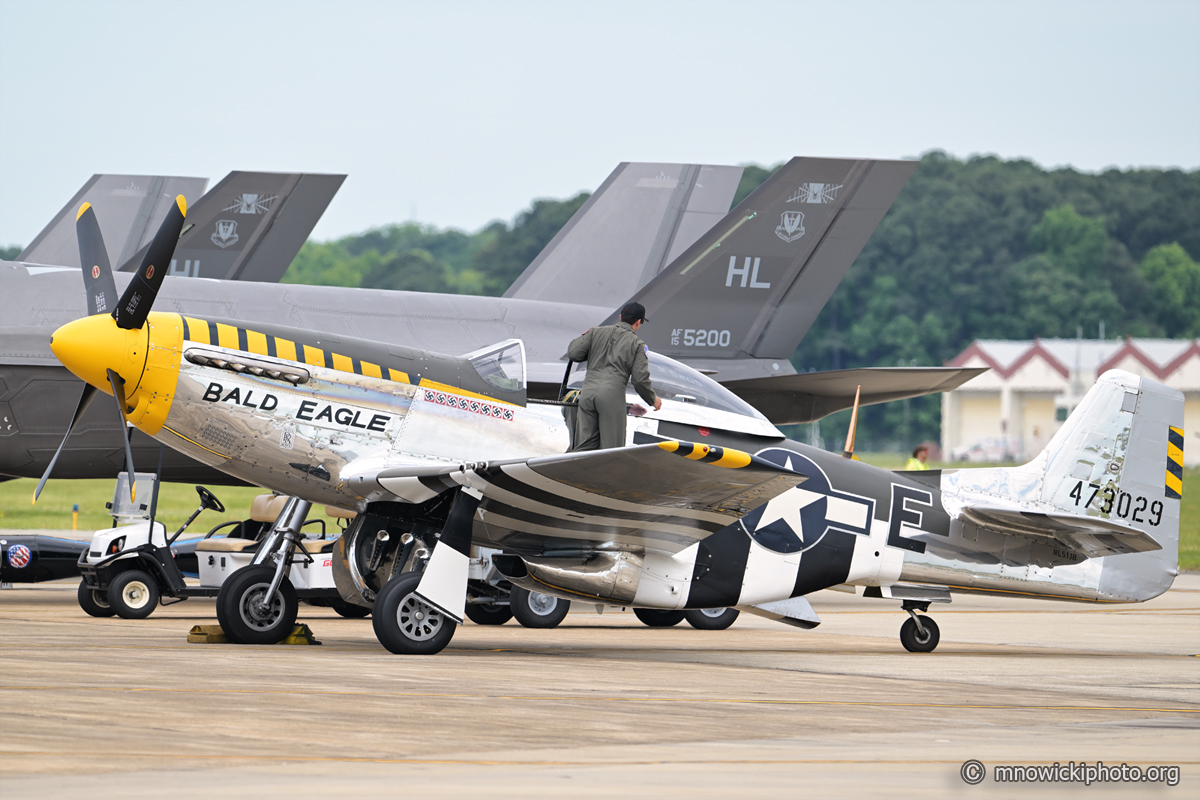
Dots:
(793, 399)
(664, 496)
(249, 226)
(1092, 536)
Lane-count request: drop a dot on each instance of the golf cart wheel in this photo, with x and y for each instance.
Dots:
(349, 610)
(711, 619)
(405, 624)
(133, 594)
(537, 610)
(94, 602)
(913, 641)
(247, 616)
(659, 619)
(488, 613)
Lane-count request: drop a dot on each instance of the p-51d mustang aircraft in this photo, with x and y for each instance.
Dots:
(440, 453)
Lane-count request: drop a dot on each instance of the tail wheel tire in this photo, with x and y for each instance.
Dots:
(711, 619)
(914, 641)
(488, 613)
(350, 610)
(659, 619)
(247, 616)
(133, 594)
(94, 602)
(537, 610)
(405, 624)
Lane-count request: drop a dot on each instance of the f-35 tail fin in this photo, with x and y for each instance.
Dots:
(753, 285)
(128, 208)
(634, 225)
(249, 226)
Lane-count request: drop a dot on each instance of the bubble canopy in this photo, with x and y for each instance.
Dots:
(682, 384)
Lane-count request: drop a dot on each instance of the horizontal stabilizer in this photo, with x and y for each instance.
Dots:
(249, 226)
(793, 399)
(1092, 536)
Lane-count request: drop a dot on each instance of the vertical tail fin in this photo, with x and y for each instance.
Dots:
(753, 285)
(248, 227)
(1107, 486)
(129, 209)
(634, 225)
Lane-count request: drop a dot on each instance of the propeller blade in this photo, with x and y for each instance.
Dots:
(135, 304)
(85, 400)
(97, 272)
(118, 387)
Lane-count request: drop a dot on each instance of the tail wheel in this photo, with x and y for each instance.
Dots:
(405, 624)
(656, 618)
(248, 616)
(94, 602)
(916, 642)
(133, 594)
(537, 610)
(711, 619)
(488, 613)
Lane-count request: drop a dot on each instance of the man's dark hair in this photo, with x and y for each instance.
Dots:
(918, 449)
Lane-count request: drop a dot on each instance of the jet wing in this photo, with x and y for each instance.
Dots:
(792, 399)
(1092, 536)
(665, 496)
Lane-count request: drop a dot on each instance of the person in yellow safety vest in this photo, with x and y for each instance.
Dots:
(919, 457)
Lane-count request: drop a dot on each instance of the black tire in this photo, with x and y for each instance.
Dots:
(537, 610)
(133, 594)
(711, 619)
(349, 610)
(659, 619)
(94, 602)
(488, 613)
(243, 621)
(911, 637)
(407, 625)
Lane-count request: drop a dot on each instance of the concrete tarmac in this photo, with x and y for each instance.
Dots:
(601, 706)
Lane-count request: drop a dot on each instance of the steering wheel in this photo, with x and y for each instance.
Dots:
(209, 500)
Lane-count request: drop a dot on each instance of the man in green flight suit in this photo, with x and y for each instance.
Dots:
(613, 354)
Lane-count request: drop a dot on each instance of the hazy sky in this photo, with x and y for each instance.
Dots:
(463, 112)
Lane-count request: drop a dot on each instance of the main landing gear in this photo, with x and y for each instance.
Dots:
(918, 634)
(258, 604)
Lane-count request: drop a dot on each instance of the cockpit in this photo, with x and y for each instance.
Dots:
(691, 398)
(502, 364)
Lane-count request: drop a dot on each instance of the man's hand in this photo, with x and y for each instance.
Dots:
(637, 409)
(658, 404)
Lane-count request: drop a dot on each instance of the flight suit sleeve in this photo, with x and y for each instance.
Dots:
(580, 347)
(641, 373)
